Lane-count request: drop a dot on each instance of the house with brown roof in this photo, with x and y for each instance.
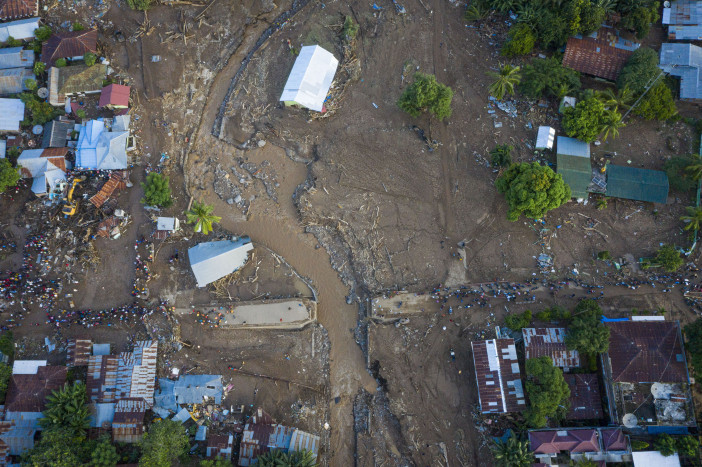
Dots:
(220, 446)
(74, 80)
(18, 9)
(562, 445)
(550, 342)
(498, 376)
(602, 54)
(128, 422)
(71, 45)
(585, 397)
(645, 375)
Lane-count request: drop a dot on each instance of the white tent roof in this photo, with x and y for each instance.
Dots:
(310, 78)
(213, 260)
(545, 138)
(22, 29)
(654, 459)
(11, 114)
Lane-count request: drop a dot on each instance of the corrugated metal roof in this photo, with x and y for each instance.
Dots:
(56, 134)
(201, 434)
(27, 367)
(115, 95)
(585, 399)
(102, 378)
(301, 440)
(101, 349)
(182, 416)
(22, 29)
(68, 45)
(213, 260)
(14, 9)
(12, 80)
(603, 53)
(637, 184)
(193, 389)
(572, 440)
(684, 20)
(498, 376)
(310, 78)
(102, 415)
(539, 342)
(11, 114)
(646, 352)
(572, 147)
(220, 446)
(683, 61)
(545, 138)
(78, 352)
(15, 57)
(15, 440)
(27, 392)
(128, 423)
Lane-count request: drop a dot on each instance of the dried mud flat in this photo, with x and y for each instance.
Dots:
(355, 203)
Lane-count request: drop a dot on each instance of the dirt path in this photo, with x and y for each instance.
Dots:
(285, 236)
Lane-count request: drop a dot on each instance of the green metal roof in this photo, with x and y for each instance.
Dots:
(637, 184)
(576, 172)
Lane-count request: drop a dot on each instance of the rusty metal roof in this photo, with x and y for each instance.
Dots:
(128, 424)
(603, 53)
(17, 9)
(646, 352)
(572, 440)
(27, 393)
(78, 352)
(220, 446)
(550, 342)
(102, 378)
(585, 399)
(68, 45)
(263, 435)
(498, 376)
(115, 182)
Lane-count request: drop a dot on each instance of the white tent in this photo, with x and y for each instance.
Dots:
(545, 138)
(310, 78)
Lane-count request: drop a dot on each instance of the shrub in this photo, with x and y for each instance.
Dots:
(657, 104)
(665, 444)
(31, 84)
(547, 77)
(350, 29)
(677, 176)
(61, 62)
(39, 68)
(555, 313)
(156, 191)
(426, 94)
(141, 5)
(639, 70)
(89, 58)
(521, 41)
(40, 111)
(517, 321)
(78, 27)
(668, 257)
(604, 255)
(532, 189)
(638, 445)
(42, 33)
(501, 156)
(12, 42)
(80, 113)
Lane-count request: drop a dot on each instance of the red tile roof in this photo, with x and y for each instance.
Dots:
(585, 399)
(27, 393)
(555, 441)
(498, 377)
(596, 56)
(114, 94)
(17, 9)
(550, 342)
(68, 44)
(613, 439)
(646, 352)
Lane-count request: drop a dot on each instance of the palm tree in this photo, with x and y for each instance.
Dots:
(611, 124)
(693, 218)
(201, 215)
(279, 458)
(505, 81)
(622, 98)
(66, 409)
(694, 168)
(512, 453)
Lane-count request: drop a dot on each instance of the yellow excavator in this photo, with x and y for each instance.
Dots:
(71, 205)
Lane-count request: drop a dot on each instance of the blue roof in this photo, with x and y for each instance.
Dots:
(637, 184)
(164, 396)
(683, 61)
(192, 389)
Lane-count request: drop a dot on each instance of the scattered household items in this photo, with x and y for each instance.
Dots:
(114, 96)
(73, 80)
(103, 148)
(573, 164)
(498, 377)
(602, 53)
(22, 29)
(48, 169)
(213, 260)
(684, 61)
(262, 434)
(684, 20)
(71, 45)
(545, 138)
(11, 114)
(310, 78)
(550, 342)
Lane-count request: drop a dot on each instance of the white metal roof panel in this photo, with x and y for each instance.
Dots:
(310, 78)
(27, 367)
(22, 29)
(213, 260)
(654, 459)
(11, 114)
(545, 137)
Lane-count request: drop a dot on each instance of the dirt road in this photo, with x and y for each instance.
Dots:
(285, 236)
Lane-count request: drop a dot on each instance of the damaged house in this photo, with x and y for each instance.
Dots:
(47, 168)
(550, 342)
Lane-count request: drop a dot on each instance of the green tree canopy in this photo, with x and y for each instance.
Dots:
(693, 344)
(5, 373)
(512, 453)
(521, 41)
(586, 333)
(665, 444)
(688, 446)
(641, 69)
(218, 462)
(532, 189)
(89, 58)
(9, 176)
(657, 104)
(641, 18)
(589, 119)
(426, 94)
(278, 458)
(60, 63)
(165, 441)
(505, 81)
(66, 409)
(42, 33)
(157, 192)
(683, 171)
(56, 448)
(202, 216)
(668, 257)
(546, 390)
(693, 219)
(547, 77)
(104, 454)
(517, 321)
(501, 155)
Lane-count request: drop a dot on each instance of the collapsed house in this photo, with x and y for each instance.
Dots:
(211, 261)
(646, 378)
(310, 78)
(262, 434)
(47, 168)
(498, 377)
(187, 390)
(550, 342)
